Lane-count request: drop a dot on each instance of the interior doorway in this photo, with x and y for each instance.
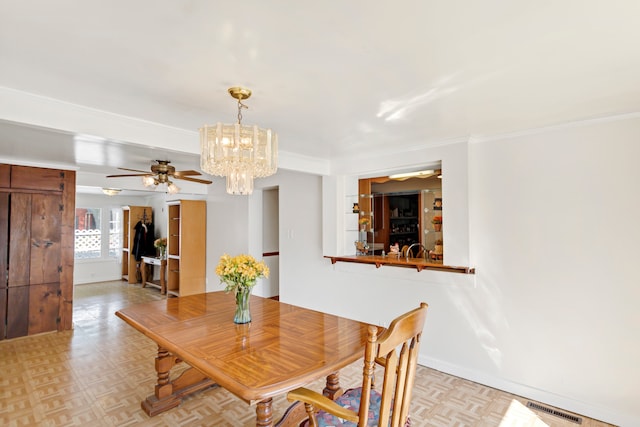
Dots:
(271, 241)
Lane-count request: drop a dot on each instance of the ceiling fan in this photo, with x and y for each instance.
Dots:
(161, 172)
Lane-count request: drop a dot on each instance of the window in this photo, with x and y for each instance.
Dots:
(90, 229)
(115, 232)
(88, 242)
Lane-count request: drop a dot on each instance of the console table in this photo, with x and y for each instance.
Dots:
(150, 262)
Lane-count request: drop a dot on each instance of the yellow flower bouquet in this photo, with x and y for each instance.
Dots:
(239, 274)
(161, 245)
(240, 271)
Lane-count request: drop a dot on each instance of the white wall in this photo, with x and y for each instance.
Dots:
(555, 237)
(227, 229)
(549, 220)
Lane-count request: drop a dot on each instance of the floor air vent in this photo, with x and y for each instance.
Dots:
(555, 412)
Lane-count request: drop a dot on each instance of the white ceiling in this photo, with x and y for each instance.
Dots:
(332, 78)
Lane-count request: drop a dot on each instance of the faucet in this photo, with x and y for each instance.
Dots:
(424, 250)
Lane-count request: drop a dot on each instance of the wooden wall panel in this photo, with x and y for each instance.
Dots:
(45, 238)
(18, 311)
(37, 178)
(3, 312)
(4, 239)
(4, 244)
(4, 248)
(37, 234)
(19, 239)
(5, 175)
(67, 242)
(44, 303)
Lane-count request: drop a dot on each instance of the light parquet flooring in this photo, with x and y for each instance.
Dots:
(97, 375)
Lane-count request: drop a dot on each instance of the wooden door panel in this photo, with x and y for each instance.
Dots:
(19, 239)
(36, 249)
(67, 240)
(44, 300)
(4, 238)
(3, 311)
(5, 175)
(45, 239)
(37, 178)
(17, 311)
(4, 246)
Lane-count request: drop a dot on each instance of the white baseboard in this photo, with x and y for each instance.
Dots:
(542, 396)
(96, 279)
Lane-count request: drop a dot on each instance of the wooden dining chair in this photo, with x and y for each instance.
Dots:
(396, 350)
(404, 250)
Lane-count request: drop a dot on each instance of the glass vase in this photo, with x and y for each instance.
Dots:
(243, 313)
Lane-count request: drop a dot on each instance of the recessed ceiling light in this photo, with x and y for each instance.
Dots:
(111, 191)
(416, 174)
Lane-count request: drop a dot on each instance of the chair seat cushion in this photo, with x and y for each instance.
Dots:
(351, 400)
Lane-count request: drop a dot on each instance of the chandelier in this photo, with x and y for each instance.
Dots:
(238, 152)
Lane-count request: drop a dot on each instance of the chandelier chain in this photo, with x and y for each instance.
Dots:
(240, 107)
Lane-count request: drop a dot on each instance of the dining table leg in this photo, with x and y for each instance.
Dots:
(264, 413)
(332, 388)
(169, 393)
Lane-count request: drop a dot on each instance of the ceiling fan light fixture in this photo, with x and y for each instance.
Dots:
(111, 191)
(148, 181)
(160, 174)
(172, 188)
(238, 152)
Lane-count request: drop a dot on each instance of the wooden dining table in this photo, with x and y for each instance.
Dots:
(282, 348)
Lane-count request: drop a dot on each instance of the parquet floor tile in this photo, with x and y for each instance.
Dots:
(97, 374)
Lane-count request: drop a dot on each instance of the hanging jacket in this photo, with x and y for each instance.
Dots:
(143, 240)
(149, 240)
(139, 240)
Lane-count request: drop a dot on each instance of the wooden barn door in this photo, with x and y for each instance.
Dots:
(34, 263)
(4, 257)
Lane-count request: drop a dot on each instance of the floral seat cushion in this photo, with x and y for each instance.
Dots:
(351, 400)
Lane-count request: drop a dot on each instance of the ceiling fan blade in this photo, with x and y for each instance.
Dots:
(135, 170)
(131, 174)
(184, 173)
(201, 181)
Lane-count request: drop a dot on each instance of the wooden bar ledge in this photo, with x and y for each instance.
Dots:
(417, 263)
